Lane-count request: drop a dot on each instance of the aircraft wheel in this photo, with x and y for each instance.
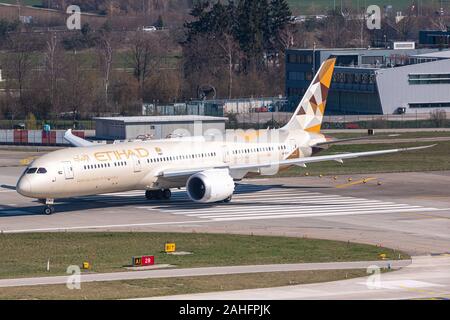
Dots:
(149, 194)
(159, 194)
(228, 200)
(49, 210)
(167, 194)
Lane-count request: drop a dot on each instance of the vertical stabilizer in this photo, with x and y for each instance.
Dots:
(309, 113)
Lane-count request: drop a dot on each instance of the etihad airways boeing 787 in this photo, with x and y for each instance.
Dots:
(207, 167)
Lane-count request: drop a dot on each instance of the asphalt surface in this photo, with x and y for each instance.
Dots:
(426, 278)
(409, 211)
(195, 272)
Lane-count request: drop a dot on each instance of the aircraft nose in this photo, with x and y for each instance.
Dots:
(24, 186)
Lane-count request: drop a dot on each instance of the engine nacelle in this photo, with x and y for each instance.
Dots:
(210, 186)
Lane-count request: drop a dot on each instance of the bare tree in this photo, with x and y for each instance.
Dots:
(230, 49)
(19, 65)
(51, 66)
(143, 49)
(439, 118)
(105, 52)
(79, 87)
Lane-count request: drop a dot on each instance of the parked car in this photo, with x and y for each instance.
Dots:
(352, 126)
(149, 29)
(20, 126)
(401, 110)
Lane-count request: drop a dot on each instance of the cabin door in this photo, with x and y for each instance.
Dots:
(68, 170)
(137, 166)
(225, 154)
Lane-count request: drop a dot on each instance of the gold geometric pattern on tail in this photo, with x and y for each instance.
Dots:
(312, 109)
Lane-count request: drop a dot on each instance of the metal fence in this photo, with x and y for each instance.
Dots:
(267, 119)
(54, 124)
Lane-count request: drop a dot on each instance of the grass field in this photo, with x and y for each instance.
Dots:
(24, 2)
(434, 159)
(323, 6)
(161, 287)
(406, 135)
(27, 254)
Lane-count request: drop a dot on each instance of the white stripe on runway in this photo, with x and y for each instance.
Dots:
(314, 215)
(224, 210)
(275, 203)
(301, 211)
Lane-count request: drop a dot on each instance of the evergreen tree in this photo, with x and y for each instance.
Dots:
(280, 14)
(253, 31)
(159, 23)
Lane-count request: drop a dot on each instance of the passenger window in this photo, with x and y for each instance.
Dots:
(31, 170)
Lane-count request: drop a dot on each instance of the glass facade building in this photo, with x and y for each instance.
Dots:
(372, 81)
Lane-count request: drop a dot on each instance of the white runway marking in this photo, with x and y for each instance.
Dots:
(257, 203)
(403, 284)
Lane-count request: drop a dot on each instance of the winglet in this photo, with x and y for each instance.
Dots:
(76, 141)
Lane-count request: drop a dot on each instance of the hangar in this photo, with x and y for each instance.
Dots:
(158, 127)
(375, 81)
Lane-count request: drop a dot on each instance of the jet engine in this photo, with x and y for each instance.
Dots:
(210, 186)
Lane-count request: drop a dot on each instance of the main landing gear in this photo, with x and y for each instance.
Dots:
(165, 194)
(49, 210)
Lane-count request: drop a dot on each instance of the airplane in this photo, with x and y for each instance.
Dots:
(208, 168)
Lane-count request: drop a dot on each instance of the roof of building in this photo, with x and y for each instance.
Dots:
(440, 54)
(156, 119)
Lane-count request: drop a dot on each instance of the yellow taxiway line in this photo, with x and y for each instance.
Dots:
(355, 183)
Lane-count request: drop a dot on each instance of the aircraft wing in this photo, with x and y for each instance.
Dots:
(300, 161)
(337, 141)
(76, 141)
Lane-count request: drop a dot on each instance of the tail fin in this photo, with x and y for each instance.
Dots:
(309, 113)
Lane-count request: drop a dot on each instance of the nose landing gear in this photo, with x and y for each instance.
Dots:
(48, 209)
(165, 194)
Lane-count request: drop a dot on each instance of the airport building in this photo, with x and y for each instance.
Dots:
(160, 127)
(374, 81)
(435, 38)
(216, 107)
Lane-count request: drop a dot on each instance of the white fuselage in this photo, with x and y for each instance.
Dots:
(138, 165)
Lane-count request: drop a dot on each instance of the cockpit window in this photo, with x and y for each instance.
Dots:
(42, 170)
(31, 170)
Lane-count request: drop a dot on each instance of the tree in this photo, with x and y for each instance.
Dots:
(31, 122)
(105, 54)
(79, 87)
(159, 23)
(52, 68)
(439, 118)
(143, 57)
(280, 15)
(253, 30)
(19, 66)
(124, 92)
(5, 27)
